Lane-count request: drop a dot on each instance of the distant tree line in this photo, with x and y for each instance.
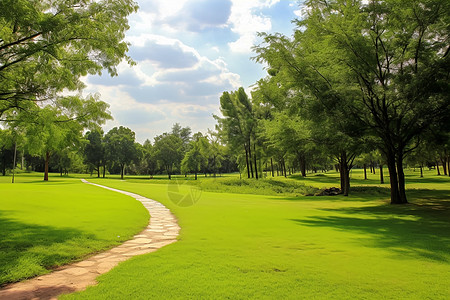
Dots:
(117, 152)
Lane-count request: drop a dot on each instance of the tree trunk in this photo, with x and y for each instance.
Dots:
(98, 171)
(271, 163)
(14, 162)
(401, 179)
(195, 175)
(284, 168)
(344, 173)
(47, 159)
(444, 166)
(302, 160)
(437, 168)
(122, 168)
(104, 171)
(421, 171)
(365, 171)
(246, 160)
(381, 174)
(250, 158)
(395, 197)
(254, 155)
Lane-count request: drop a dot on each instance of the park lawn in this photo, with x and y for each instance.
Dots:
(264, 247)
(47, 224)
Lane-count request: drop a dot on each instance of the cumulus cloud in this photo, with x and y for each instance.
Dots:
(164, 55)
(202, 14)
(246, 19)
(187, 53)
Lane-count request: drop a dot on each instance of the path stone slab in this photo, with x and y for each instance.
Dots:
(161, 231)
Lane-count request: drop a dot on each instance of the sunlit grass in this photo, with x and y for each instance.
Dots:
(239, 246)
(47, 224)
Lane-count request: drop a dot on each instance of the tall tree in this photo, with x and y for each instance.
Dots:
(150, 161)
(60, 125)
(238, 125)
(120, 147)
(94, 151)
(168, 151)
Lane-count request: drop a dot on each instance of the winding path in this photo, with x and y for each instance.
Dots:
(162, 230)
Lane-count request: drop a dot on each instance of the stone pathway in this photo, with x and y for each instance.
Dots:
(161, 231)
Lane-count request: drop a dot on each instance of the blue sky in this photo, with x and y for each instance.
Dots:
(187, 52)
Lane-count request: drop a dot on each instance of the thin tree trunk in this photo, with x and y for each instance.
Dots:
(444, 166)
(246, 160)
(14, 162)
(302, 165)
(381, 174)
(421, 171)
(254, 155)
(365, 171)
(271, 163)
(448, 166)
(437, 168)
(104, 171)
(98, 171)
(401, 179)
(344, 173)
(47, 159)
(250, 158)
(284, 168)
(122, 167)
(195, 175)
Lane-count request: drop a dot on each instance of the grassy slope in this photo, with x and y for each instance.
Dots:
(250, 246)
(47, 224)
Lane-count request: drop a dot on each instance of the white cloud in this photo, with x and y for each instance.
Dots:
(162, 88)
(246, 21)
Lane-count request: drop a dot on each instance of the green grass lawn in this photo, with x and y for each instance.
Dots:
(47, 224)
(239, 246)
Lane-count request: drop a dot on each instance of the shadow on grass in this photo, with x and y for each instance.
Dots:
(20, 257)
(419, 229)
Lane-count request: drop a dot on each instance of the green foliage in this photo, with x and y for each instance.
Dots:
(260, 187)
(168, 151)
(120, 147)
(46, 46)
(375, 68)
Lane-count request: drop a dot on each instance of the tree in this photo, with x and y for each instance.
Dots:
(238, 125)
(168, 151)
(60, 125)
(45, 46)
(94, 151)
(150, 161)
(381, 64)
(120, 147)
(193, 159)
(6, 150)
